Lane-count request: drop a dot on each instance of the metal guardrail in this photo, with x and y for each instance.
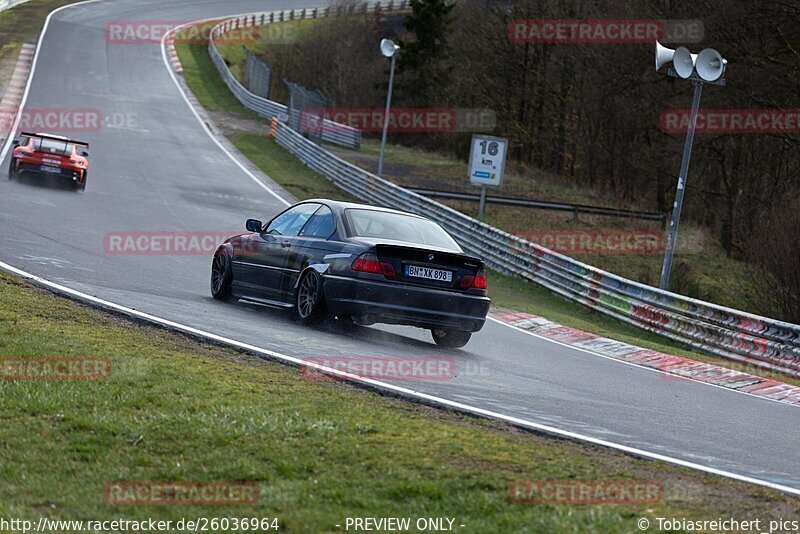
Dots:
(715, 329)
(332, 132)
(728, 333)
(543, 204)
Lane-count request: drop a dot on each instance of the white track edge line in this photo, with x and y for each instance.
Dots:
(170, 69)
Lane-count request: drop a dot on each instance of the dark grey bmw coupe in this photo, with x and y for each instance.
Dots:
(356, 262)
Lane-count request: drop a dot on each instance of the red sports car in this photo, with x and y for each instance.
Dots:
(46, 154)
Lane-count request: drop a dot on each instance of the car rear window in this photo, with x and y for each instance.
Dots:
(398, 227)
(52, 146)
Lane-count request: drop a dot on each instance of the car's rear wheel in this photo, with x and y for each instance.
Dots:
(221, 275)
(450, 339)
(309, 300)
(11, 169)
(82, 185)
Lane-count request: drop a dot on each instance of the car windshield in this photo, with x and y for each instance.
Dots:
(399, 227)
(52, 146)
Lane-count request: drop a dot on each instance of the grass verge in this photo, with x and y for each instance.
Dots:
(175, 409)
(18, 25)
(506, 291)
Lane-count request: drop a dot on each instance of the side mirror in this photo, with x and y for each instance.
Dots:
(85, 154)
(15, 142)
(253, 225)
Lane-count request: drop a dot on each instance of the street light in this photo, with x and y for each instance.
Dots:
(706, 67)
(388, 49)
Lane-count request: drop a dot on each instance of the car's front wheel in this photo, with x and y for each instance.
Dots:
(221, 275)
(309, 299)
(450, 339)
(12, 173)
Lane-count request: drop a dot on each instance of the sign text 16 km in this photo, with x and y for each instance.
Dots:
(487, 161)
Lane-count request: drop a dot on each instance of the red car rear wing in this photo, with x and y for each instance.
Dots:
(54, 138)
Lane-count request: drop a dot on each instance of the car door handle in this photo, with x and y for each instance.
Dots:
(285, 243)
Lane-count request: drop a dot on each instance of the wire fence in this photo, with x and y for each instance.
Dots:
(257, 74)
(331, 132)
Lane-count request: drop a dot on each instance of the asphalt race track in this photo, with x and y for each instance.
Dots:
(159, 170)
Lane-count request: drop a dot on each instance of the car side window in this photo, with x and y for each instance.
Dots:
(292, 220)
(320, 224)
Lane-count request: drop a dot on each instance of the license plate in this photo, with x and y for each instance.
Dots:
(47, 168)
(439, 275)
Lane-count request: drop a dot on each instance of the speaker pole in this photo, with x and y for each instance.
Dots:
(676, 207)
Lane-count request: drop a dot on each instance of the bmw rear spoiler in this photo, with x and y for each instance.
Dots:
(54, 138)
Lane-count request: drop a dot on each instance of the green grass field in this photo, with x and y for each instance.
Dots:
(175, 409)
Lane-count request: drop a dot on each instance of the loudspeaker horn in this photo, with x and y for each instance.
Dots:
(388, 48)
(663, 55)
(684, 61)
(710, 65)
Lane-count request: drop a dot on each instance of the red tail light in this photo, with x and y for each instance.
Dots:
(478, 281)
(369, 263)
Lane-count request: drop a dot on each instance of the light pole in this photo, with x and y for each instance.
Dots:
(706, 67)
(388, 49)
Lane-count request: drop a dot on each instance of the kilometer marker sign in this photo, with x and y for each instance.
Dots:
(487, 160)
